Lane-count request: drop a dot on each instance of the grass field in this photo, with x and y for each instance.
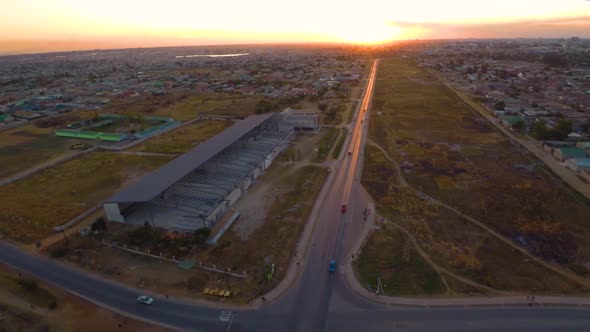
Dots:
(27, 146)
(392, 257)
(183, 139)
(329, 137)
(184, 106)
(52, 197)
(443, 149)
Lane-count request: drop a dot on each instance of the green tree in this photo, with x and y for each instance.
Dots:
(563, 128)
(518, 125)
(540, 130)
(500, 106)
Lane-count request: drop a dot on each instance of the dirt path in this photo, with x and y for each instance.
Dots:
(566, 274)
(441, 270)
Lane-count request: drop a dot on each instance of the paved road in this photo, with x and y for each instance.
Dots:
(318, 301)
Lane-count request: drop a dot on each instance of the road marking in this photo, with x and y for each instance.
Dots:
(225, 316)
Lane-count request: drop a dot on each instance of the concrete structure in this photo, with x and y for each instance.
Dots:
(197, 188)
(301, 120)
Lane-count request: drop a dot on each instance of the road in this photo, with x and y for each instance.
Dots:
(318, 300)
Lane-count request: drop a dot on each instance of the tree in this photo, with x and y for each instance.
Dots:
(540, 130)
(518, 125)
(500, 106)
(563, 128)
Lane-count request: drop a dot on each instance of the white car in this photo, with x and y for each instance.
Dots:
(145, 299)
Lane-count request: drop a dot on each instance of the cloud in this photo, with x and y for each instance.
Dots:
(550, 28)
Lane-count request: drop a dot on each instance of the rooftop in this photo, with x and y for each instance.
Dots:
(154, 183)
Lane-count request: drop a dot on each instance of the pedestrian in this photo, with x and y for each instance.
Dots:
(166, 296)
(263, 299)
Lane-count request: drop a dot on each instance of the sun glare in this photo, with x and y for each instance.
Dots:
(369, 33)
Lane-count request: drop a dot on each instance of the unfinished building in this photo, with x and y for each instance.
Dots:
(197, 188)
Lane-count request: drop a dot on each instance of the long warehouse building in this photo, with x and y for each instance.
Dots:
(197, 188)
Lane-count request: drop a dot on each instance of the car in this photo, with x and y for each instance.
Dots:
(145, 299)
(332, 267)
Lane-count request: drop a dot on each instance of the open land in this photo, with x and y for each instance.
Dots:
(31, 206)
(183, 139)
(487, 215)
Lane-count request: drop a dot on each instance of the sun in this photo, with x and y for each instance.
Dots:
(368, 33)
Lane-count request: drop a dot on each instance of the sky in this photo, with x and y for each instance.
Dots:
(41, 25)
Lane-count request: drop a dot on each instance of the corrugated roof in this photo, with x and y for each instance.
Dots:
(152, 184)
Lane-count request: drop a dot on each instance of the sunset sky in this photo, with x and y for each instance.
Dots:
(41, 25)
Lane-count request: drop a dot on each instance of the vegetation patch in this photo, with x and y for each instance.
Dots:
(325, 144)
(391, 256)
(183, 139)
(31, 206)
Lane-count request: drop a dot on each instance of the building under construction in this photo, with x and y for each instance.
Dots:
(197, 188)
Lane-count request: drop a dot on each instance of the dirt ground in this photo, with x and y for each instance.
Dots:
(71, 313)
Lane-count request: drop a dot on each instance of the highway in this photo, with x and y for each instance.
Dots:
(317, 300)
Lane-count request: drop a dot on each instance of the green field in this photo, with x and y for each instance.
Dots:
(441, 148)
(31, 206)
(183, 139)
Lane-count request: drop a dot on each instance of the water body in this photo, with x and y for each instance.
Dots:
(211, 55)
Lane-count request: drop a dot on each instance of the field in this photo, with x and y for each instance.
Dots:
(183, 139)
(324, 147)
(52, 197)
(184, 106)
(28, 305)
(483, 210)
(27, 146)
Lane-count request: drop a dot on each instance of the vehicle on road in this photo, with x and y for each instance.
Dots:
(332, 267)
(145, 299)
(343, 208)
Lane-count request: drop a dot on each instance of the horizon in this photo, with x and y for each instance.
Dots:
(276, 44)
(65, 25)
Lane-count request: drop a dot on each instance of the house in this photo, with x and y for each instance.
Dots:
(574, 137)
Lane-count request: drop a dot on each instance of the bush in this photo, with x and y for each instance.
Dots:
(201, 235)
(28, 284)
(99, 225)
(58, 252)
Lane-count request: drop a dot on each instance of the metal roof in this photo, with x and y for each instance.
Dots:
(154, 183)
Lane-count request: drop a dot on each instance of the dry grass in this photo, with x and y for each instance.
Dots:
(450, 153)
(52, 197)
(183, 139)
